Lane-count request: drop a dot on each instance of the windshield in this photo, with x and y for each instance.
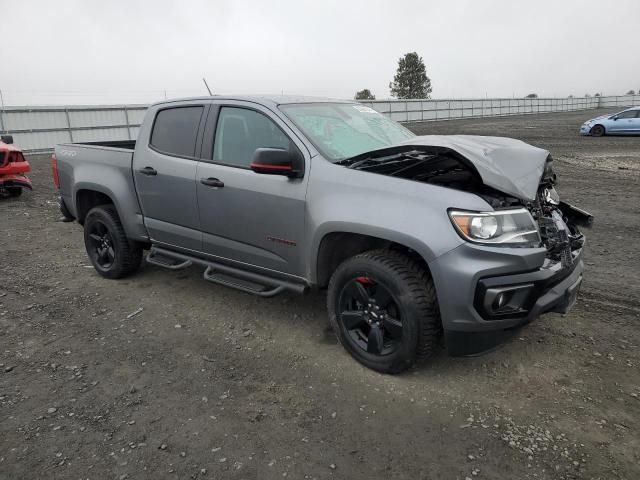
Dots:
(343, 130)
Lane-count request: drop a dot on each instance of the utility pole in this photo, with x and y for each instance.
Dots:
(1, 111)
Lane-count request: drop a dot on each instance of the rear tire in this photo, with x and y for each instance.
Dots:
(14, 191)
(401, 303)
(598, 131)
(112, 254)
(66, 214)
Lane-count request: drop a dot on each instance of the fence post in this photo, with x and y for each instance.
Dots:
(126, 119)
(66, 112)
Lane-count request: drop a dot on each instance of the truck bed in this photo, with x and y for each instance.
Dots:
(104, 167)
(123, 144)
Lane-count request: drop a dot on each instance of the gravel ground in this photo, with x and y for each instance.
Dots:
(163, 375)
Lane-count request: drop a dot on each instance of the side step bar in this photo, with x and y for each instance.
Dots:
(250, 282)
(157, 258)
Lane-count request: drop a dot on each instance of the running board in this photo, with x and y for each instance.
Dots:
(166, 261)
(249, 282)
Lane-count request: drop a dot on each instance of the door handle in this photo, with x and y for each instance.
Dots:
(212, 182)
(148, 171)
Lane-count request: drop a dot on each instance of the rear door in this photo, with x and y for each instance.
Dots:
(249, 218)
(635, 123)
(164, 170)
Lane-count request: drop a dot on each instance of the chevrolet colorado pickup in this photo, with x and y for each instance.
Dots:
(414, 237)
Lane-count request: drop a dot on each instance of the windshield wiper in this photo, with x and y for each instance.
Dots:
(403, 156)
(419, 161)
(393, 165)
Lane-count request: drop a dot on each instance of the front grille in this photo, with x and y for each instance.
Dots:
(555, 236)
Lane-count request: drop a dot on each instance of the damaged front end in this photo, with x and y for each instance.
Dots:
(558, 221)
(527, 180)
(522, 255)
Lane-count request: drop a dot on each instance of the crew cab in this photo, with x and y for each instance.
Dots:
(414, 237)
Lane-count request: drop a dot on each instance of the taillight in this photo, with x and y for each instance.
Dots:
(54, 165)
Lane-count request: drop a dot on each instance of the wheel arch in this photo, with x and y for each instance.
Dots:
(88, 197)
(604, 129)
(336, 246)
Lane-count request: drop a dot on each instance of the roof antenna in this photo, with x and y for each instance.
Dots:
(207, 85)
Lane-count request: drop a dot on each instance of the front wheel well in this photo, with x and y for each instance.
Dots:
(87, 199)
(337, 247)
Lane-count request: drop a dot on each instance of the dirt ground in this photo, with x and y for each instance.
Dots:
(164, 375)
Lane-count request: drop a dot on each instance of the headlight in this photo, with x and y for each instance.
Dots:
(500, 228)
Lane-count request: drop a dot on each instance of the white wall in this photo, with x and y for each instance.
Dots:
(40, 128)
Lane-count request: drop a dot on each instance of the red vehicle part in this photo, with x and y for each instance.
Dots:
(13, 167)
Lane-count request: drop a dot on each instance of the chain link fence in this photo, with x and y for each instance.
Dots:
(39, 129)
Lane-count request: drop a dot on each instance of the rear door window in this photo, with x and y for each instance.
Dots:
(175, 130)
(240, 132)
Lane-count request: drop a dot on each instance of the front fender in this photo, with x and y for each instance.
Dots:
(375, 231)
(401, 211)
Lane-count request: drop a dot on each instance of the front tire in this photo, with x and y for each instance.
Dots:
(597, 131)
(14, 191)
(112, 254)
(384, 310)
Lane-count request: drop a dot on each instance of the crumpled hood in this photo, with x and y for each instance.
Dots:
(506, 164)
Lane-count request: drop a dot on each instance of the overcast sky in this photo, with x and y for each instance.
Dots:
(99, 51)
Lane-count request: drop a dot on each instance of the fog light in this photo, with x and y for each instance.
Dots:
(506, 300)
(500, 301)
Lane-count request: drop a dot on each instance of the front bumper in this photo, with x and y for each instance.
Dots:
(585, 130)
(465, 273)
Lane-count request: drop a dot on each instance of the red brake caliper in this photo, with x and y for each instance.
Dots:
(365, 280)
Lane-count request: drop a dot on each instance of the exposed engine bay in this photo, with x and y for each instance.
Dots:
(557, 221)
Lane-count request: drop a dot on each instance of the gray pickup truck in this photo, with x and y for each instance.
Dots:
(414, 237)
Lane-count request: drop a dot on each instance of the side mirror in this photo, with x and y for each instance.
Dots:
(278, 161)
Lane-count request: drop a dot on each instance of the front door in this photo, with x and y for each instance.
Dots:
(165, 176)
(624, 122)
(246, 217)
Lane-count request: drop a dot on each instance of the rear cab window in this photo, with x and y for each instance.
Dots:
(175, 130)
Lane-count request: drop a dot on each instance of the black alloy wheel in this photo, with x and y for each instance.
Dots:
(383, 308)
(112, 254)
(370, 315)
(101, 248)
